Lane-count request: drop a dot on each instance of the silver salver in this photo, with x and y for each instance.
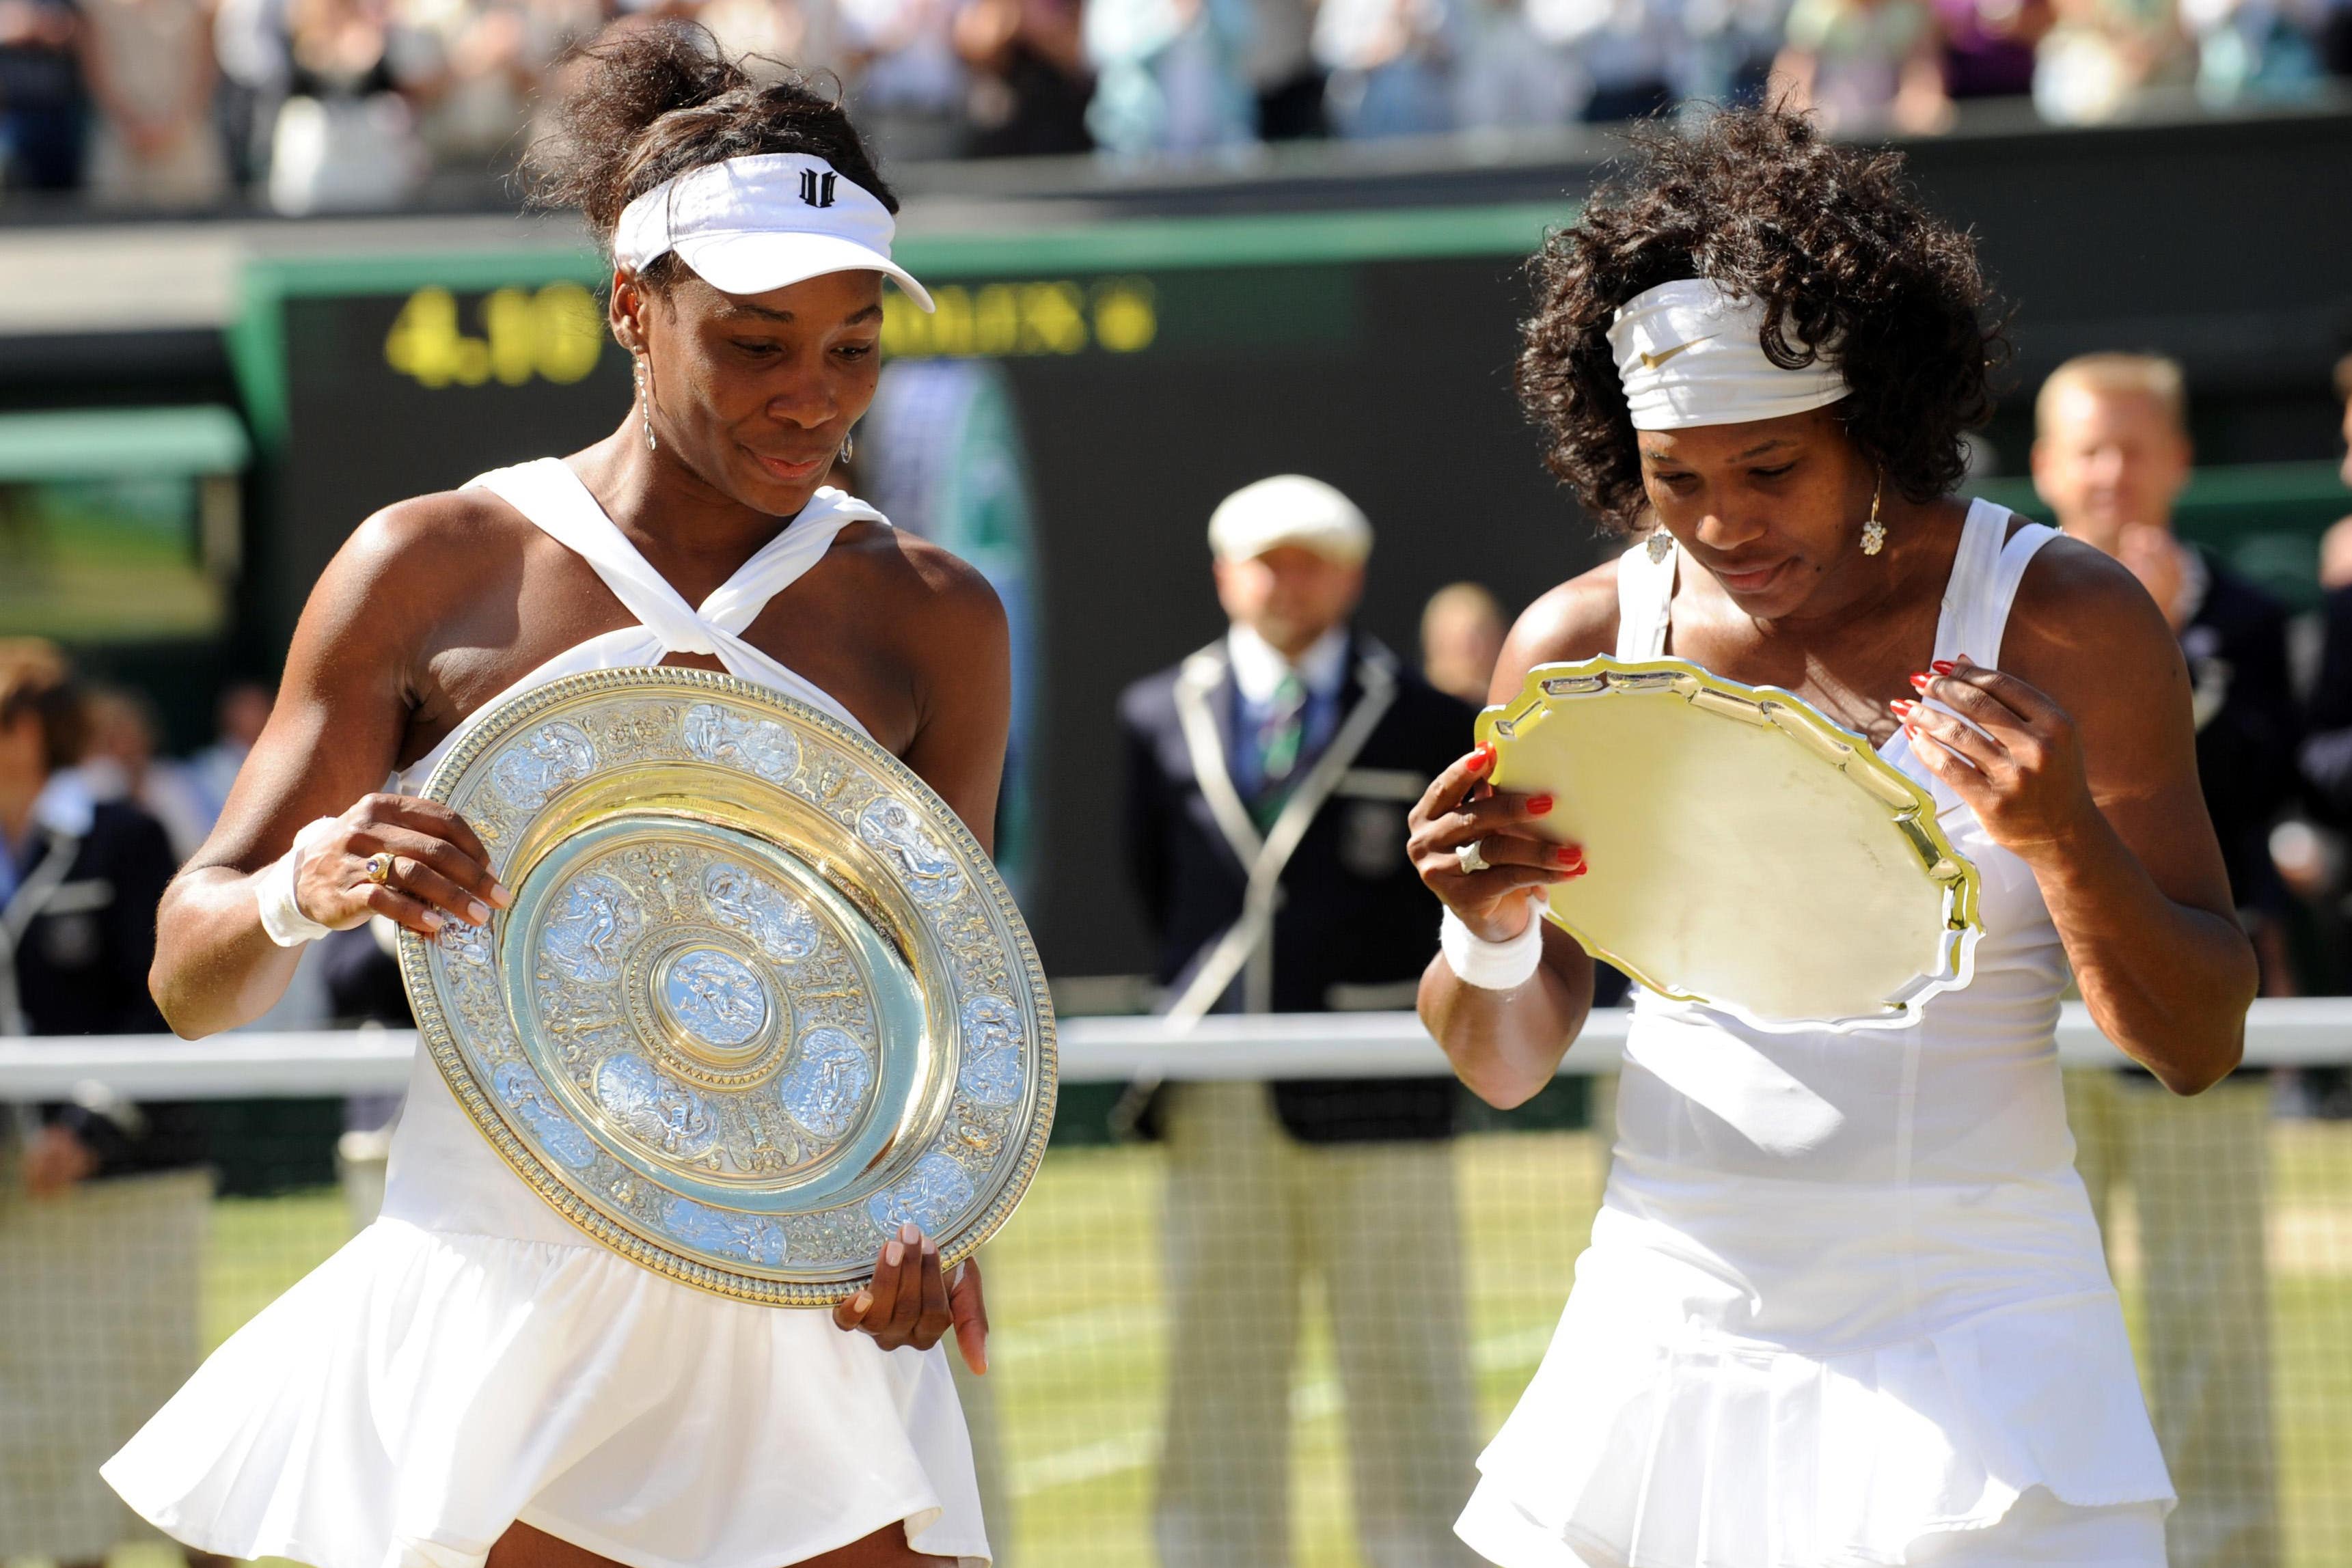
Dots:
(761, 998)
(1745, 852)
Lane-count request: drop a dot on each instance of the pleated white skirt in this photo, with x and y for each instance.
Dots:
(420, 1391)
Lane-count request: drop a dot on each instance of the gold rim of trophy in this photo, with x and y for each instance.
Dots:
(1909, 809)
(735, 802)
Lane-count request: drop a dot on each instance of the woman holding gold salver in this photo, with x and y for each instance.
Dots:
(471, 1379)
(1845, 1301)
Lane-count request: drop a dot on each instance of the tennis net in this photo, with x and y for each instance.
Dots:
(1315, 1395)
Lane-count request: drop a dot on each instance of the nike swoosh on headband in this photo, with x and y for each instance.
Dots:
(1660, 358)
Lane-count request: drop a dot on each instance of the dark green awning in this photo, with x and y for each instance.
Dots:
(121, 443)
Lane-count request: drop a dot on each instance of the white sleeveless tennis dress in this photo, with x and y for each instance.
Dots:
(472, 1359)
(1845, 1302)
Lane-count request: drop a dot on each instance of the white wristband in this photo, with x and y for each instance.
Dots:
(1493, 966)
(281, 917)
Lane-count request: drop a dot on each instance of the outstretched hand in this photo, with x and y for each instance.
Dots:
(912, 1300)
(1459, 808)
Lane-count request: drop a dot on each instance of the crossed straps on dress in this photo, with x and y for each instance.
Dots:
(552, 496)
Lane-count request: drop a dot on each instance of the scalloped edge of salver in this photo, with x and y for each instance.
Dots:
(483, 730)
(1911, 811)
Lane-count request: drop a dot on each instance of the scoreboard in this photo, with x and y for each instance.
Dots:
(1127, 376)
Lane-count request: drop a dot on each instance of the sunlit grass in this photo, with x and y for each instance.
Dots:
(1080, 1370)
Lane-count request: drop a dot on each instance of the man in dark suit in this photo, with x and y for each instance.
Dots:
(1268, 776)
(2111, 457)
(102, 1201)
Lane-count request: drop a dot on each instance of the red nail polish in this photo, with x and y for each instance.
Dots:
(1919, 682)
(1579, 869)
(1483, 760)
(1570, 854)
(1537, 804)
(1902, 709)
(1943, 666)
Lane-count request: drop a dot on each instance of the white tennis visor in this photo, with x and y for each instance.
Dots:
(750, 225)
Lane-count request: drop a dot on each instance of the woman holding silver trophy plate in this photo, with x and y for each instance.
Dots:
(709, 959)
(1845, 1301)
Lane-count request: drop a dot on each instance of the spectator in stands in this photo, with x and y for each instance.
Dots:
(2334, 36)
(149, 63)
(1283, 76)
(2111, 457)
(479, 65)
(2100, 54)
(41, 98)
(1462, 632)
(1390, 64)
(1169, 80)
(2250, 51)
(1267, 779)
(249, 45)
(346, 140)
(1988, 45)
(1030, 81)
(1732, 44)
(102, 1206)
(1866, 66)
(906, 84)
(239, 716)
(119, 763)
(1511, 77)
(1632, 51)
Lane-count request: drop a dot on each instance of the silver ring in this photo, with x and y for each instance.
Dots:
(1470, 858)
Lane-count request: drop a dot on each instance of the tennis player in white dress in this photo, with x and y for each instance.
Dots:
(472, 1378)
(1845, 1302)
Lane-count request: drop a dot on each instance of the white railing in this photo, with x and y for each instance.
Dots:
(2282, 1033)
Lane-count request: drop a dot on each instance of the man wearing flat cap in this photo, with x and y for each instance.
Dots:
(1268, 776)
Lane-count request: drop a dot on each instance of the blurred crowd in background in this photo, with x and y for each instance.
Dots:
(322, 105)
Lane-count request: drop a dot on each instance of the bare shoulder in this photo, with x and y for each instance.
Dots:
(926, 581)
(1577, 620)
(433, 532)
(2083, 628)
(411, 566)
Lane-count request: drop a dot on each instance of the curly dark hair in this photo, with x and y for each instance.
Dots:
(1831, 239)
(640, 105)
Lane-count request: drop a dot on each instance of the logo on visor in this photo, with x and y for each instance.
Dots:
(817, 189)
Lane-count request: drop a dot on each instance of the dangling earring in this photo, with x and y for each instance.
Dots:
(1873, 532)
(645, 406)
(849, 447)
(1661, 545)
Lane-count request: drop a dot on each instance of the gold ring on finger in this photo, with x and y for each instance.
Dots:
(379, 868)
(1469, 858)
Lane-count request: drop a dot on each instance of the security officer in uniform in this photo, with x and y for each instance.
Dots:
(1268, 776)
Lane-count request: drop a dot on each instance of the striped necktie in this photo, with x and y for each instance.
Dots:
(1279, 736)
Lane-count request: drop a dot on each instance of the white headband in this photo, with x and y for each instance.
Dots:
(750, 225)
(1688, 353)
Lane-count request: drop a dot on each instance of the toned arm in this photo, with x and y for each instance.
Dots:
(334, 736)
(2091, 778)
(1507, 1045)
(962, 654)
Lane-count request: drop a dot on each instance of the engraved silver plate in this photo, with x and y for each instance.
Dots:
(760, 997)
